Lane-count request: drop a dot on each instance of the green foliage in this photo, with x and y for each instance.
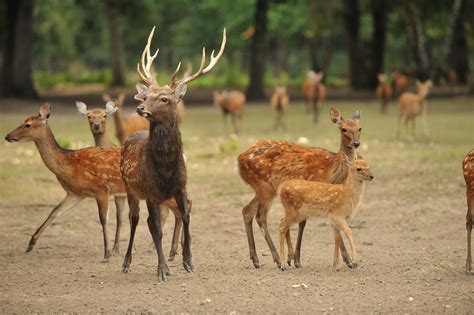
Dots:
(64, 143)
(230, 146)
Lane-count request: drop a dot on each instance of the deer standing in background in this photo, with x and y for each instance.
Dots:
(303, 199)
(384, 92)
(468, 171)
(125, 125)
(280, 101)
(400, 82)
(90, 172)
(152, 163)
(315, 92)
(266, 164)
(412, 105)
(231, 103)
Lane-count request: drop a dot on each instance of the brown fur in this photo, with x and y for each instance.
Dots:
(411, 105)
(266, 164)
(315, 92)
(468, 171)
(303, 199)
(280, 102)
(384, 92)
(400, 82)
(231, 103)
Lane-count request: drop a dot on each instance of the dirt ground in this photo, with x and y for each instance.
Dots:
(410, 228)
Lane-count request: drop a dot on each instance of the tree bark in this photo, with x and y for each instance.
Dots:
(255, 90)
(116, 50)
(327, 36)
(417, 40)
(379, 13)
(457, 55)
(16, 77)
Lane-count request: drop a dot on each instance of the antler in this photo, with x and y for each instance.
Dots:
(146, 75)
(202, 70)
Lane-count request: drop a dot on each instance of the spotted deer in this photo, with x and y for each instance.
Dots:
(231, 103)
(280, 102)
(383, 92)
(468, 170)
(97, 118)
(152, 163)
(303, 199)
(315, 92)
(266, 164)
(412, 105)
(128, 124)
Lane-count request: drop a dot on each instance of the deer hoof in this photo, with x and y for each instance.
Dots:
(30, 248)
(163, 273)
(297, 264)
(188, 266)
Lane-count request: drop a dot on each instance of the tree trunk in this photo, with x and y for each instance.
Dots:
(327, 36)
(457, 57)
(417, 40)
(116, 50)
(379, 13)
(16, 76)
(255, 90)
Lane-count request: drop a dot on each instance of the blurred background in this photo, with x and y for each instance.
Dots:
(88, 45)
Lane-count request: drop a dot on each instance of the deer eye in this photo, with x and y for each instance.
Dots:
(360, 129)
(359, 169)
(344, 129)
(105, 116)
(27, 125)
(164, 99)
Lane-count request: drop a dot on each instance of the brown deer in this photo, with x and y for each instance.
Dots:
(231, 103)
(303, 199)
(315, 92)
(97, 118)
(468, 170)
(400, 82)
(128, 124)
(152, 163)
(91, 172)
(383, 92)
(412, 105)
(280, 101)
(266, 164)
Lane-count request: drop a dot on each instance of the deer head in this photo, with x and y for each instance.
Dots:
(350, 129)
(361, 171)
(33, 128)
(158, 103)
(315, 77)
(381, 77)
(423, 88)
(97, 117)
(118, 101)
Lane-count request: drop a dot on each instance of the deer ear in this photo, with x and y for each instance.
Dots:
(110, 107)
(45, 111)
(180, 90)
(142, 92)
(106, 97)
(82, 108)
(429, 83)
(336, 116)
(356, 115)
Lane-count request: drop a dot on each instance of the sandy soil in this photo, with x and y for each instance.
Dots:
(409, 231)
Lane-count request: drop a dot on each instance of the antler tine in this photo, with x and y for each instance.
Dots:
(175, 73)
(147, 61)
(212, 63)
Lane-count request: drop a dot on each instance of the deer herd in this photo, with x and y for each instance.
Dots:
(150, 164)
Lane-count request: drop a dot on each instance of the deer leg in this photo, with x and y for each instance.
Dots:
(249, 212)
(291, 252)
(66, 204)
(182, 201)
(176, 235)
(103, 206)
(134, 217)
(316, 112)
(337, 239)
(284, 229)
(262, 214)
(339, 245)
(399, 125)
(342, 225)
(119, 204)
(469, 222)
(301, 226)
(154, 225)
(425, 124)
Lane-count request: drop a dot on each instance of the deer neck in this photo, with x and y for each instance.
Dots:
(357, 191)
(102, 140)
(341, 169)
(119, 127)
(51, 153)
(164, 144)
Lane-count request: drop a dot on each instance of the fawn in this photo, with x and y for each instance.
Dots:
(383, 92)
(303, 199)
(91, 172)
(400, 82)
(468, 170)
(411, 105)
(280, 101)
(97, 118)
(266, 164)
(231, 103)
(315, 92)
(152, 163)
(125, 125)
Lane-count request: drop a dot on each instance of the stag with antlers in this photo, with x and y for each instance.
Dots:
(152, 163)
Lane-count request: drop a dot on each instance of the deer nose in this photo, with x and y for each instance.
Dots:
(356, 144)
(96, 126)
(7, 137)
(371, 177)
(141, 107)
